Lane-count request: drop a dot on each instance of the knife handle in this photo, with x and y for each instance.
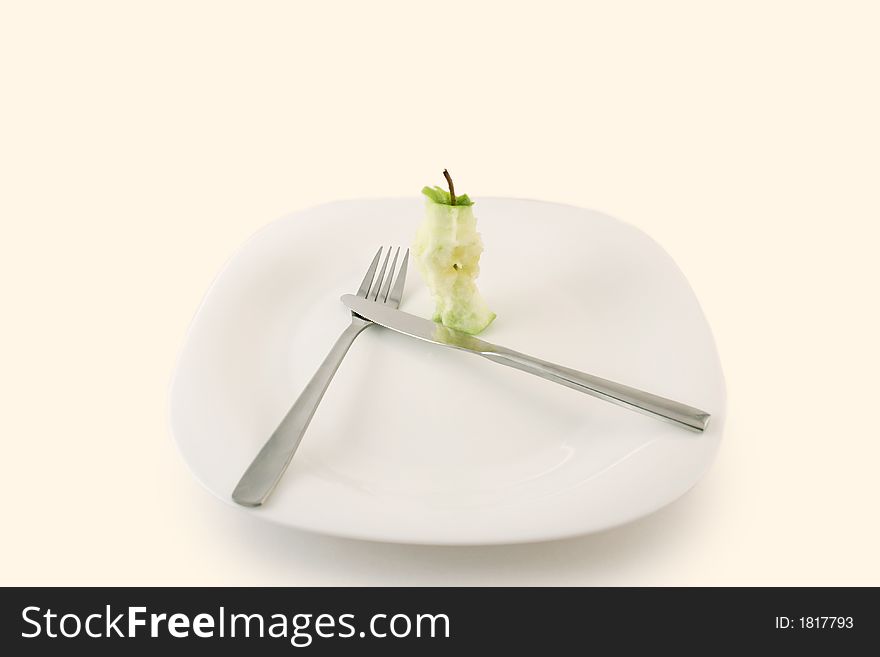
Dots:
(616, 393)
(264, 473)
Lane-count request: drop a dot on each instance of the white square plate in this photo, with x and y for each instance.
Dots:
(419, 444)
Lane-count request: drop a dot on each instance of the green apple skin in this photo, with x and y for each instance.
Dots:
(447, 250)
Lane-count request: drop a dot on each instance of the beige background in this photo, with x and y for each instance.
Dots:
(141, 143)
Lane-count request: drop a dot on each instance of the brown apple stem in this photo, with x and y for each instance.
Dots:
(451, 187)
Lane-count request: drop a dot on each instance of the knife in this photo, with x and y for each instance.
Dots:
(616, 393)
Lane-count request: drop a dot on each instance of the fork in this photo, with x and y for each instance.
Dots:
(267, 468)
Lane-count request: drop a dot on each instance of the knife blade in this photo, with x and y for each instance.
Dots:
(616, 393)
(415, 326)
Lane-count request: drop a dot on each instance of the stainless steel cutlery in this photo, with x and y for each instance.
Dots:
(377, 301)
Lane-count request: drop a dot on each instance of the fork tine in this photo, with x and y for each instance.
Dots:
(377, 283)
(397, 290)
(368, 279)
(383, 293)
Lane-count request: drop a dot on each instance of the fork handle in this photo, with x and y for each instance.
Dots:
(616, 393)
(263, 474)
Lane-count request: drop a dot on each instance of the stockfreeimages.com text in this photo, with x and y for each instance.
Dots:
(300, 629)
